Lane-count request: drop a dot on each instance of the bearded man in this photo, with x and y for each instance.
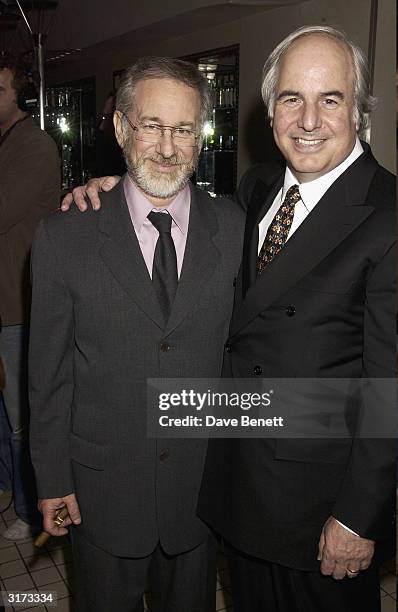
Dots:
(141, 289)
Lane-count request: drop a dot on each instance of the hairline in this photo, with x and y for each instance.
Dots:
(154, 68)
(319, 34)
(156, 78)
(363, 102)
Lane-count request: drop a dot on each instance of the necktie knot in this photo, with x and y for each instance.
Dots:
(292, 195)
(162, 221)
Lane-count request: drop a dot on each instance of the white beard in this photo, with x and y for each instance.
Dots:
(159, 184)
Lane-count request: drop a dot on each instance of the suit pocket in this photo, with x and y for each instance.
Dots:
(86, 453)
(333, 286)
(313, 450)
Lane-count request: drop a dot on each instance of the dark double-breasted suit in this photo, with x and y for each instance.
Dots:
(324, 307)
(97, 334)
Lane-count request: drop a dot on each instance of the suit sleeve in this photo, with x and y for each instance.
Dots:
(31, 181)
(366, 499)
(50, 370)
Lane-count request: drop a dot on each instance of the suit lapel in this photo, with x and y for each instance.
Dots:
(261, 200)
(337, 214)
(200, 258)
(122, 254)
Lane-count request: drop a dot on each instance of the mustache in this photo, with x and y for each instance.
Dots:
(177, 159)
(174, 160)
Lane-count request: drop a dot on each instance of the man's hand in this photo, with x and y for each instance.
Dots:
(89, 193)
(343, 553)
(49, 507)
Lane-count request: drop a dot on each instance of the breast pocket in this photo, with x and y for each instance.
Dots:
(333, 285)
(313, 450)
(86, 453)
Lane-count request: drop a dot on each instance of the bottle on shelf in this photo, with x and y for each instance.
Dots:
(227, 90)
(221, 92)
(233, 89)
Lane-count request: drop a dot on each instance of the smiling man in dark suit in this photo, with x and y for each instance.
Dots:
(306, 519)
(141, 289)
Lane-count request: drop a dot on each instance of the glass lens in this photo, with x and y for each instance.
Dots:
(184, 136)
(150, 132)
(153, 133)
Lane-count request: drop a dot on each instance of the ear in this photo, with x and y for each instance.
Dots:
(117, 122)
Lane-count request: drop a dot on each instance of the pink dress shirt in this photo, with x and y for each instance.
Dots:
(140, 207)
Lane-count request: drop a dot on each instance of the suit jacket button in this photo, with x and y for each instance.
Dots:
(257, 370)
(164, 455)
(228, 347)
(291, 311)
(164, 346)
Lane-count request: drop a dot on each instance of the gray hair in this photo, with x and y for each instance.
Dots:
(163, 68)
(364, 102)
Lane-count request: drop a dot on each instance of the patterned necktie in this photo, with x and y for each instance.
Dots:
(164, 270)
(279, 229)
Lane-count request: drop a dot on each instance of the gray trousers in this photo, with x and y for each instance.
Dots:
(13, 351)
(177, 583)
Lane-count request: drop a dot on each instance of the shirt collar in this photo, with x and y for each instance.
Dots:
(313, 191)
(139, 206)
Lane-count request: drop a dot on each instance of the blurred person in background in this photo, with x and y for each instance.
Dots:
(108, 155)
(5, 450)
(29, 190)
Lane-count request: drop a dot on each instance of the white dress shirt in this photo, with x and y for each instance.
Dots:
(310, 193)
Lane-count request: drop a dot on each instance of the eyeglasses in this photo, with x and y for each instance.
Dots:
(152, 133)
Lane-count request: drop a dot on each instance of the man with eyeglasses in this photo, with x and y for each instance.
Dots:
(142, 289)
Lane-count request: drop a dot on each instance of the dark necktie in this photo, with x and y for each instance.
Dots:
(164, 270)
(279, 229)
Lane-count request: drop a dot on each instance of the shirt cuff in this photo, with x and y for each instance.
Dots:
(348, 529)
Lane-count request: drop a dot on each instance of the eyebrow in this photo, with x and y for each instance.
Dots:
(287, 92)
(159, 121)
(335, 93)
(324, 94)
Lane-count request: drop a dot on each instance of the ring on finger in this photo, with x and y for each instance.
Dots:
(58, 520)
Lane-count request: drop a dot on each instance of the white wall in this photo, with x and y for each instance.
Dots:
(257, 35)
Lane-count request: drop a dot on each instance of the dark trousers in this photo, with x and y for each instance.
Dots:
(177, 583)
(262, 586)
(5, 449)
(13, 351)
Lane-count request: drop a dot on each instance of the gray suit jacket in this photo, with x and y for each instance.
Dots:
(96, 336)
